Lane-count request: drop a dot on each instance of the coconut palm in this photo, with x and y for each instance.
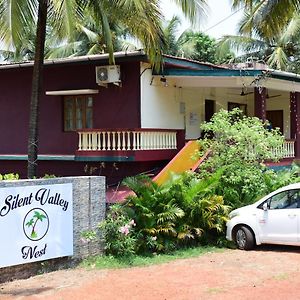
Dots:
(64, 15)
(268, 17)
(278, 46)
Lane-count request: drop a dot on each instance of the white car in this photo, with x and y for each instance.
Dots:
(274, 219)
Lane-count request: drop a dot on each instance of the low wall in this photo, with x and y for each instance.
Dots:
(88, 211)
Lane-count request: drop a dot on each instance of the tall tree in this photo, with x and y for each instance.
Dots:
(192, 44)
(278, 45)
(267, 17)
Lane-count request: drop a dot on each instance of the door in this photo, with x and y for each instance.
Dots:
(279, 223)
(209, 109)
(275, 117)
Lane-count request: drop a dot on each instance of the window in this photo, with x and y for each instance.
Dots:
(287, 199)
(78, 112)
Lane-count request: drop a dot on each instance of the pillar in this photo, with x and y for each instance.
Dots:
(260, 103)
(295, 120)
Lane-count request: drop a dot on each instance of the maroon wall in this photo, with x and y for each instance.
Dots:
(114, 107)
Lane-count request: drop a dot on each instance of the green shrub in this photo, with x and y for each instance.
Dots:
(9, 176)
(118, 233)
(239, 147)
(155, 214)
(178, 213)
(204, 211)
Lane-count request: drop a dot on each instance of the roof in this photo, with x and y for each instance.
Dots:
(186, 63)
(119, 56)
(174, 66)
(169, 60)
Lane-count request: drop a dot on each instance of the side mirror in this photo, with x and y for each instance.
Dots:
(265, 206)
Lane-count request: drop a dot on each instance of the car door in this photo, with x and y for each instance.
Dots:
(278, 218)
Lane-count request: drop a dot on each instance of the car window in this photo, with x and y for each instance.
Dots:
(295, 198)
(284, 200)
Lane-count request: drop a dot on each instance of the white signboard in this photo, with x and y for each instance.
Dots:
(36, 223)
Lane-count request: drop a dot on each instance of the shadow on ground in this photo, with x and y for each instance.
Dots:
(278, 248)
(26, 292)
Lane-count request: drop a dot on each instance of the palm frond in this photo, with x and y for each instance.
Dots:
(278, 59)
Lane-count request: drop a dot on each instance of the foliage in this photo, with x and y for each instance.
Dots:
(49, 176)
(117, 230)
(182, 212)
(269, 31)
(10, 176)
(242, 183)
(205, 212)
(201, 47)
(155, 214)
(275, 180)
(193, 45)
(232, 136)
(239, 145)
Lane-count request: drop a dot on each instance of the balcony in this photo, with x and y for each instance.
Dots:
(287, 150)
(128, 144)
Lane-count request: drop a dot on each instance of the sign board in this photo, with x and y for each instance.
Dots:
(36, 223)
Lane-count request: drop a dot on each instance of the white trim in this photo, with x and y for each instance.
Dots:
(72, 92)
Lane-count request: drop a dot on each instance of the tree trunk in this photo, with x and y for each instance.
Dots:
(36, 89)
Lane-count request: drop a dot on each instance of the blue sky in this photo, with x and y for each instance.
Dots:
(218, 11)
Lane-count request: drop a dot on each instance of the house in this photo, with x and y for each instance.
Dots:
(127, 119)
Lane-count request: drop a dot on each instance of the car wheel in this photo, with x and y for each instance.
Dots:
(244, 238)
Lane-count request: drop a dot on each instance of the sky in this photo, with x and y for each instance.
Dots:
(218, 11)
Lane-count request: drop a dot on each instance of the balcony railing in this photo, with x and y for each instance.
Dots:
(127, 140)
(287, 150)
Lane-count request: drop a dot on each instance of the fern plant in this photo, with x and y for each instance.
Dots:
(155, 213)
(205, 212)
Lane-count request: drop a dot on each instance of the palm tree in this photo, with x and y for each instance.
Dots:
(267, 17)
(260, 38)
(17, 15)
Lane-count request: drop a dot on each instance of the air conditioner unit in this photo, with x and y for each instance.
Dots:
(108, 74)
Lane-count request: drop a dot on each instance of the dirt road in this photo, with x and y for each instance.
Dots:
(266, 273)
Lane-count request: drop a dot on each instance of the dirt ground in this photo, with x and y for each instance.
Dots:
(269, 272)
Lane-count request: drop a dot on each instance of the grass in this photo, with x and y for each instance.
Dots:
(110, 262)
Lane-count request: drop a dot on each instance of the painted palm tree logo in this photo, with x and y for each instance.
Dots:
(36, 224)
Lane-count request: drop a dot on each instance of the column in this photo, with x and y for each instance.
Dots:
(260, 103)
(295, 120)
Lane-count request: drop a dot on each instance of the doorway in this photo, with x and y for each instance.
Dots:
(275, 117)
(210, 109)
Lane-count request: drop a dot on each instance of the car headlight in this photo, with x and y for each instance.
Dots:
(233, 214)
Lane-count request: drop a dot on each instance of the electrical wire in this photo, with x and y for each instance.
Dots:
(223, 20)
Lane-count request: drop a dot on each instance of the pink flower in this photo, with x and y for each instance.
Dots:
(132, 223)
(124, 229)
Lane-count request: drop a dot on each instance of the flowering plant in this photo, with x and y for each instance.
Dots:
(118, 232)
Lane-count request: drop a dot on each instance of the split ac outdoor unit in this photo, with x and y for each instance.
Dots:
(108, 74)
